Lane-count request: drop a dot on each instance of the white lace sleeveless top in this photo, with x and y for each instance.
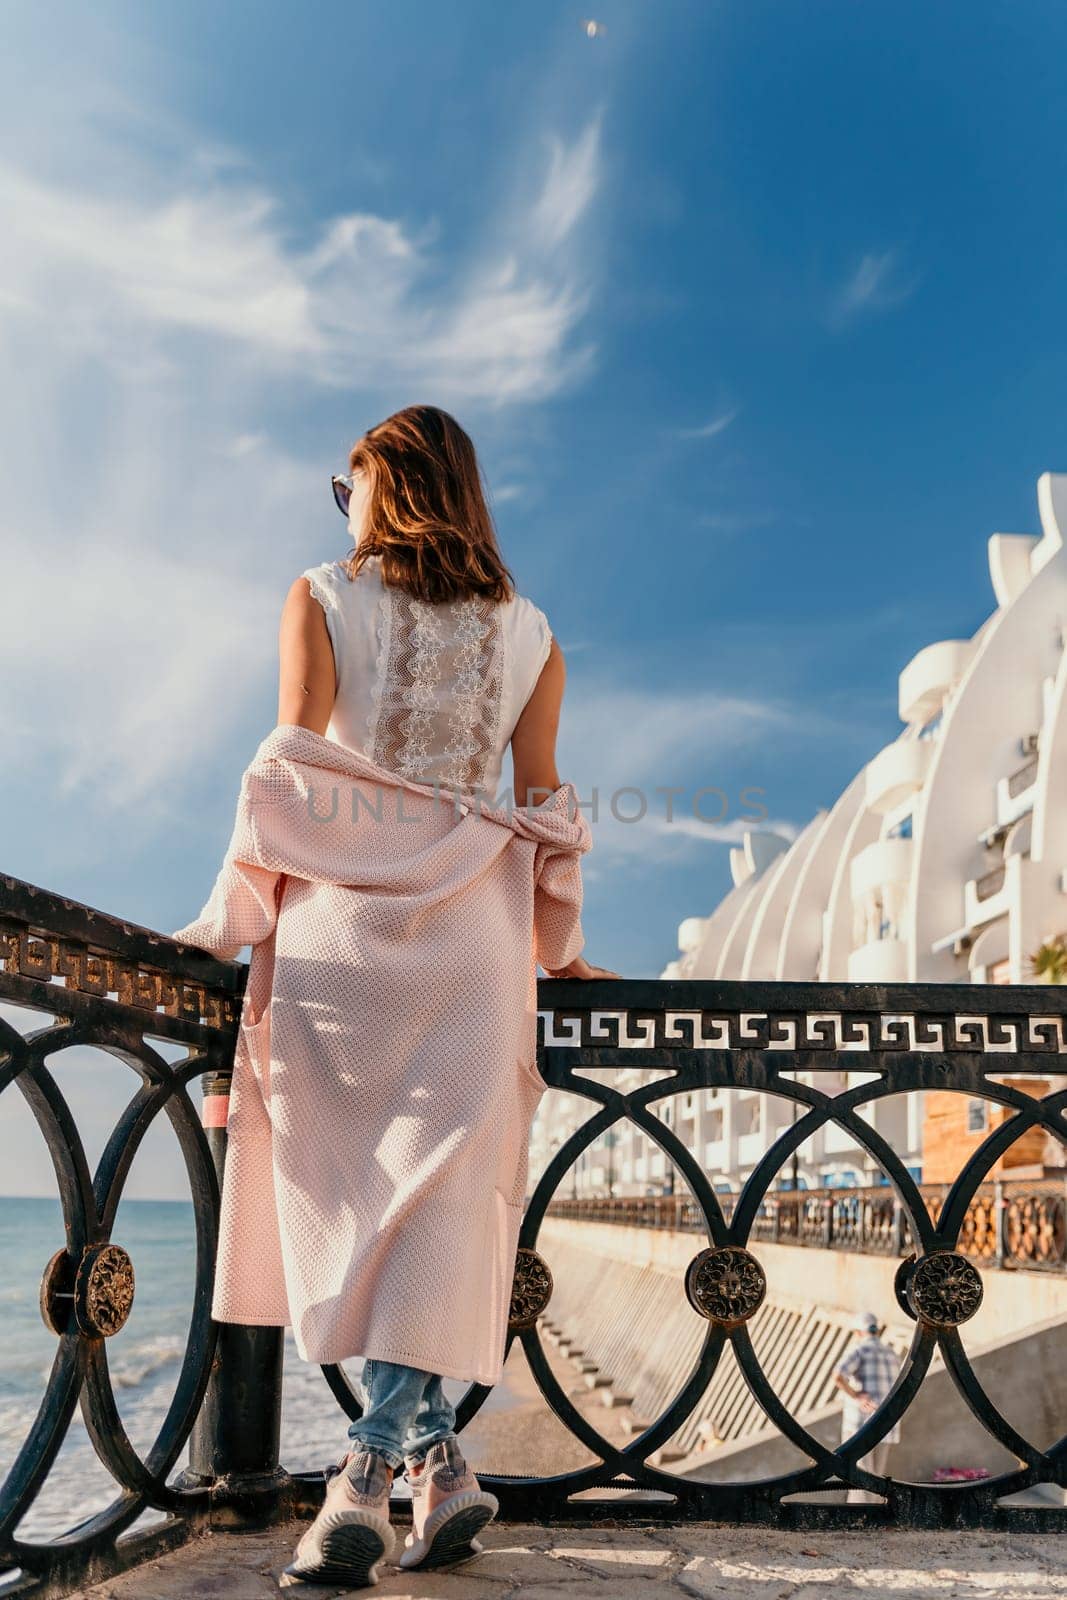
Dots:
(429, 691)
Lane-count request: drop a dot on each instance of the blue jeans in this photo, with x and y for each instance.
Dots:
(405, 1411)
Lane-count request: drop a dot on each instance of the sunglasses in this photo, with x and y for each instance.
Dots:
(342, 492)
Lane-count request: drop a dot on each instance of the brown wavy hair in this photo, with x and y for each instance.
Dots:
(427, 516)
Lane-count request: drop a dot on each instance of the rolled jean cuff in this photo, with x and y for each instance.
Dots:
(415, 1458)
(368, 1441)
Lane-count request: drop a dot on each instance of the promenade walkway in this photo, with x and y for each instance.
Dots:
(536, 1563)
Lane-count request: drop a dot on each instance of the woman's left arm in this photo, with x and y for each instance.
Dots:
(307, 683)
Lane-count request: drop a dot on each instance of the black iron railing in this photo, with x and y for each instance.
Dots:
(126, 990)
(131, 993)
(1015, 1223)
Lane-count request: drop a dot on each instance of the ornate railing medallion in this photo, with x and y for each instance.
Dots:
(944, 1289)
(726, 1285)
(531, 1289)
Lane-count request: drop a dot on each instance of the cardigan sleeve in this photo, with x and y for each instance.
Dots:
(558, 935)
(242, 908)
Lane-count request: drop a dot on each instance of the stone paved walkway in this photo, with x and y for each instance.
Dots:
(535, 1563)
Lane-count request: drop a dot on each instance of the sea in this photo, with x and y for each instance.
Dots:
(145, 1356)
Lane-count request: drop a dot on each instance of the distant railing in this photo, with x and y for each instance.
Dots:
(1020, 1224)
(127, 991)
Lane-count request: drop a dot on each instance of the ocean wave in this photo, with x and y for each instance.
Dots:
(153, 1356)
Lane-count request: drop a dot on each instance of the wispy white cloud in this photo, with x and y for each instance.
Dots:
(244, 444)
(712, 428)
(625, 748)
(505, 493)
(359, 306)
(570, 186)
(877, 283)
(731, 832)
(160, 640)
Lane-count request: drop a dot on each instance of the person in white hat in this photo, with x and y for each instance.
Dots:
(865, 1375)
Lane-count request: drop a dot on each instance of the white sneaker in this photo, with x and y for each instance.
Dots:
(351, 1533)
(448, 1508)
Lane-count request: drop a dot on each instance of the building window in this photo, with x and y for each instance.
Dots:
(977, 1116)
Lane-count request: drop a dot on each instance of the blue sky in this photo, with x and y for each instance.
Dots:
(755, 312)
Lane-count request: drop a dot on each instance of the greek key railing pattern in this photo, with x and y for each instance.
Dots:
(125, 989)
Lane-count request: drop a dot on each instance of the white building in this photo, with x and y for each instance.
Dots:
(943, 861)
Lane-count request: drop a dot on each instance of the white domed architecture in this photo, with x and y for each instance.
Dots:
(943, 861)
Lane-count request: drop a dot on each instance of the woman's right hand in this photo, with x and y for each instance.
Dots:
(581, 968)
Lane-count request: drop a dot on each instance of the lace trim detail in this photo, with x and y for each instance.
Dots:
(544, 645)
(479, 681)
(406, 693)
(320, 587)
(382, 628)
(407, 710)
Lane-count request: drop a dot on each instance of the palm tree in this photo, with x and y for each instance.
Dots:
(1049, 961)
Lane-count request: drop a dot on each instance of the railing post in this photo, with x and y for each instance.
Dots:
(998, 1221)
(234, 1444)
(828, 1224)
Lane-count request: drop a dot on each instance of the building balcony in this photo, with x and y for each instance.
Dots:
(897, 772)
(884, 861)
(716, 1155)
(1015, 794)
(990, 895)
(929, 676)
(879, 961)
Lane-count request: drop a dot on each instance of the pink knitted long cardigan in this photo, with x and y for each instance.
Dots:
(385, 1074)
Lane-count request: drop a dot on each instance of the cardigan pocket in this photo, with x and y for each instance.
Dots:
(257, 1043)
(530, 1075)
